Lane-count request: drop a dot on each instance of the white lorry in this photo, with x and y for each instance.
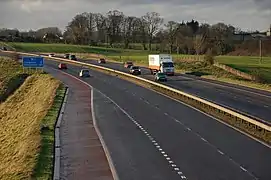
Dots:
(161, 63)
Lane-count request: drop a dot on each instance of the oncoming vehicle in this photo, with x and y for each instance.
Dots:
(66, 56)
(101, 61)
(160, 77)
(135, 70)
(72, 57)
(62, 66)
(51, 55)
(161, 63)
(128, 64)
(84, 73)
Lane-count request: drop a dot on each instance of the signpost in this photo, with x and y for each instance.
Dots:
(33, 62)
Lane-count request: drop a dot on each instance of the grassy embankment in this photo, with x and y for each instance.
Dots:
(26, 149)
(184, 63)
(11, 77)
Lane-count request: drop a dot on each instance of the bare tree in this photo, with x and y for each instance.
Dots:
(49, 34)
(78, 28)
(171, 33)
(183, 38)
(153, 21)
(128, 27)
(199, 42)
(90, 26)
(143, 34)
(114, 21)
(100, 24)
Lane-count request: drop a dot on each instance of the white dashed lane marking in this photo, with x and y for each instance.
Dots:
(154, 142)
(147, 102)
(164, 154)
(220, 152)
(243, 169)
(203, 139)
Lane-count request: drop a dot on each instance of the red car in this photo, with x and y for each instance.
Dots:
(128, 64)
(62, 66)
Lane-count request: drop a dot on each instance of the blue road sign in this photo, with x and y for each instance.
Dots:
(33, 62)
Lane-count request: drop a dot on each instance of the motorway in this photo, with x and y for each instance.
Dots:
(255, 103)
(150, 136)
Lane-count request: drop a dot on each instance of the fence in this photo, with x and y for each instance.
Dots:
(236, 72)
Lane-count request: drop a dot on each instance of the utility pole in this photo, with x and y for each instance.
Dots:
(260, 44)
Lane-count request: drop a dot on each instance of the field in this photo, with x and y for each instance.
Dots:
(184, 63)
(114, 53)
(250, 65)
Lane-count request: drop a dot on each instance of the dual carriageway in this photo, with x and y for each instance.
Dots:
(150, 136)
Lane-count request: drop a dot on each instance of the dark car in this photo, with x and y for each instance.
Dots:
(135, 70)
(84, 73)
(62, 66)
(128, 64)
(160, 77)
(67, 56)
(101, 61)
(73, 57)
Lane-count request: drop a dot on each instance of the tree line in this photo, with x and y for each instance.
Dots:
(149, 32)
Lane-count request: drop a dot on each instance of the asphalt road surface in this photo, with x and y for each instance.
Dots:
(150, 136)
(255, 103)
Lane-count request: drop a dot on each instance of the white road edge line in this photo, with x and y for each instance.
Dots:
(57, 138)
(108, 156)
(106, 151)
(110, 161)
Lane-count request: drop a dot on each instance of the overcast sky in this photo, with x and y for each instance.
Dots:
(34, 14)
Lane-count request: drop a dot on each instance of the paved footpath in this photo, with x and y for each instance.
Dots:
(82, 155)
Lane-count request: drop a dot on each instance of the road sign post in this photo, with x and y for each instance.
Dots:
(33, 62)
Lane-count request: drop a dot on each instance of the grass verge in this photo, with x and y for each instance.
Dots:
(21, 116)
(44, 166)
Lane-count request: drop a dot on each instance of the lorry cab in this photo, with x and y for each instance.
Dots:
(167, 68)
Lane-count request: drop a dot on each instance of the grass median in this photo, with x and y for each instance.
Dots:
(27, 129)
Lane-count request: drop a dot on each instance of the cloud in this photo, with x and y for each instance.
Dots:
(28, 6)
(34, 14)
(264, 4)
